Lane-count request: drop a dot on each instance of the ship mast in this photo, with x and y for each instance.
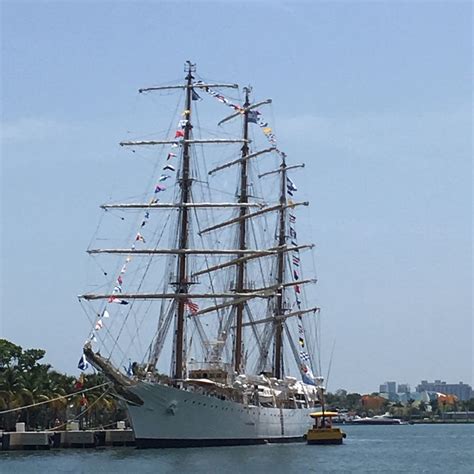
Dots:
(240, 267)
(239, 296)
(185, 184)
(279, 309)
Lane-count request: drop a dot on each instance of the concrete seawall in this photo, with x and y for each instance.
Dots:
(38, 440)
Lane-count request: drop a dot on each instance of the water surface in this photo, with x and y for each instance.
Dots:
(378, 449)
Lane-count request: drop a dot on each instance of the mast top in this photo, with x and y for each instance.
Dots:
(189, 67)
(247, 90)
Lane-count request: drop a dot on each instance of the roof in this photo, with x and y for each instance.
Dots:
(326, 414)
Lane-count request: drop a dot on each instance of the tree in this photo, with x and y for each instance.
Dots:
(341, 393)
(353, 400)
(468, 405)
(9, 353)
(435, 406)
(25, 381)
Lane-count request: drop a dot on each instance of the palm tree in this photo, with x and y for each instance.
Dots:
(10, 386)
(25, 381)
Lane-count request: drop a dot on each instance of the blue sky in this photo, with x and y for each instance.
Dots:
(375, 97)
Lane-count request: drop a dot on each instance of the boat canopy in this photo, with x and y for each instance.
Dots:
(326, 414)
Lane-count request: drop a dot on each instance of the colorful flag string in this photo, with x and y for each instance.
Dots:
(305, 369)
(117, 290)
(254, 116)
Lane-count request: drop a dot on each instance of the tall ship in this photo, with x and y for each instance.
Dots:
(204, 318)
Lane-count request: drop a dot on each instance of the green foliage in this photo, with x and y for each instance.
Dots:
(9, 353)
(28, 359)
(353, 400)
(434, 406)
(25, 381)
(467, 405)
(343, 400)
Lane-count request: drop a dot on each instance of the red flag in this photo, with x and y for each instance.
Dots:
(193, 307)
(179, 133)
(84, 402)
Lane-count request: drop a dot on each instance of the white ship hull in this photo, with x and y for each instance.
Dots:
(170, 417)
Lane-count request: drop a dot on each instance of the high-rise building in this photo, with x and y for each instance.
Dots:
(391, 387)
(403, 388)
(388, 387)
(462, 390)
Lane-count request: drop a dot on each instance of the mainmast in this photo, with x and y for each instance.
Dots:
(185, 184)
(240, 267)
(279, 309)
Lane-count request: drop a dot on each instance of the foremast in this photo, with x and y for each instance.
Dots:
(185, 206)
(182, 283)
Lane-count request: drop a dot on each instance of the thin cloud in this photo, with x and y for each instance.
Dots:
(31, 129)
(376, 134)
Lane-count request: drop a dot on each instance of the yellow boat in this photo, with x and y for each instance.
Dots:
(322, 431)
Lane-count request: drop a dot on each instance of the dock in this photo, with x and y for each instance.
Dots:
(71, 438)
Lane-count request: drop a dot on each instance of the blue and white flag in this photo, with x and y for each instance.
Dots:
(252, 116)
(83, 364)
(290, 185)
(128, 370)
(304, 356)
(307, 380)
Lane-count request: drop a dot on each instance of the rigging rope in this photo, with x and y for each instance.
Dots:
(54, 399)
(82, 413)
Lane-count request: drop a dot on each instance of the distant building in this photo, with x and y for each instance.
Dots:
(458, 415)
(417, 397)
(388, 387)
(388, 390)
(403, 388)
(372, 402)
(462, 390)
(391, 387)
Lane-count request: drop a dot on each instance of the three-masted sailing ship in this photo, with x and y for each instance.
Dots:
(205, 329)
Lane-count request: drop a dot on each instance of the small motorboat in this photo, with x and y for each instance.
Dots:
(378, 420)
(323, 431)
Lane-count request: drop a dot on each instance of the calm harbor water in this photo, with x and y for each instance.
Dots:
(377, 449)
